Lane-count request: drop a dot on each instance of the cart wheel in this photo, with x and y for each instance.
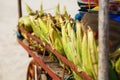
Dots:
(35, 72)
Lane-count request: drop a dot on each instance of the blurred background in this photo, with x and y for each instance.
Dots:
(13, 58)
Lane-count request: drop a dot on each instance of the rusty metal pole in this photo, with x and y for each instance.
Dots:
(103, 40)
(19, 9)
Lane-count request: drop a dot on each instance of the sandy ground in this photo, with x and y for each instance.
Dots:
(13, 58)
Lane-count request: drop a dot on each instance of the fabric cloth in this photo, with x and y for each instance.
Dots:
(115, 17)
(85, 1)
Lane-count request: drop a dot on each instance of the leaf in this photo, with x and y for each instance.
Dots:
(117, 66)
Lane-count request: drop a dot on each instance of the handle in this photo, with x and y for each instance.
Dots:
(19, 9)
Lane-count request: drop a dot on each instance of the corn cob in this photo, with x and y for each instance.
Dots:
(93, 53)
(69, 39)
(72, 43)
(79, 35)
(43, 26)
(37, 30)
(35, 27)
(87, 63)
(55, 40)
(43, 29)
(65, 42)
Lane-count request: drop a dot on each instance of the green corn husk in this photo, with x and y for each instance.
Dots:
(114, 65)
(69, 39)
(93, 53)
(112, 72)
(37, 30)
(28, 9)
(43, 29)
(79, 35)
(117, 66)
(115, 54)
(55, 40)
(35, 27)
(87, 63)
(65, 14)
(60, 21)
(77, 77)
(57, 10)
(73, 41)
(50, 22)
(25, 21)
(56, 43)
(65, 42)
(41, 11)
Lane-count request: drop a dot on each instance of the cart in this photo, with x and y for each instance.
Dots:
(40, 68)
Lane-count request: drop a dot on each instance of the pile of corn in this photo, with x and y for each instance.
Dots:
(80, 46)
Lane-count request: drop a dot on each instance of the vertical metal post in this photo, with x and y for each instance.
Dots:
(103, 40)
(19, 9)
